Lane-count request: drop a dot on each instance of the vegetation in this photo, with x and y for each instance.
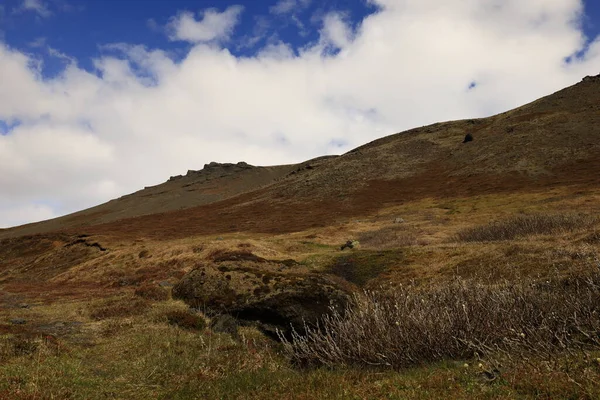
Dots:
(186, 320)
(526, 225)
(411, 325)
(152, 292)
(389, 237)
(486, 319)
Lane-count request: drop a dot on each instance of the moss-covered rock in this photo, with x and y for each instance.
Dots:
(269, 293)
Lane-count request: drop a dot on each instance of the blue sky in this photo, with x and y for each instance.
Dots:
(79, 28)
(101, 98)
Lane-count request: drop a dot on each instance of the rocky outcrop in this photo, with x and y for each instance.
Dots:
(271, 294)
(217, 169)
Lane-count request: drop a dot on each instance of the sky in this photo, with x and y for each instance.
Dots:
(100, 98)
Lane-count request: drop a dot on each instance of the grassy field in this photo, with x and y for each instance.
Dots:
(73, 327)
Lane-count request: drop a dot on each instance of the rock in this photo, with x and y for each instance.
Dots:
(591, 79)
(165, 284)
(399, 220)
(468, 138)
(18, 321)
(350, 244)
(260, 292)
(24, 305)
(225, 323)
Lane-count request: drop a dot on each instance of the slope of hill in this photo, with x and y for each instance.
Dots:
(92, 304)
(551, 142)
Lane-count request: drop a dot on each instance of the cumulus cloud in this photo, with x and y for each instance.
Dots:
(82, 138)
(212, 25)
(336, 31)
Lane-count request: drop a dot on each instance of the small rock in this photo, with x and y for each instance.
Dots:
(165, 284)
(468, 138)
(350, 244)
(18, 321)
(399, 220)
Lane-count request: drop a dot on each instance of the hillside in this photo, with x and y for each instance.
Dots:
(480, 260)
(551, 142)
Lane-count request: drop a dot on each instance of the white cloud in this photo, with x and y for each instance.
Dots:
(37, 6)
(283, 7)
(37, 43)
(13, 214)
(336, 32)
(212, 26)
(289, 6)
(87, 138)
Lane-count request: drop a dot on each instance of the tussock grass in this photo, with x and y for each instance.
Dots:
(526, 225)
(463, 319)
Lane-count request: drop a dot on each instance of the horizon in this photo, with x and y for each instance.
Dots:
(156, 90)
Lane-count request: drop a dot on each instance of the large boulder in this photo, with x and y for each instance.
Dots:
(270, 294)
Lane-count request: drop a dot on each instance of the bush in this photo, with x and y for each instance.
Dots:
(411, 325)
(123, 307)
(526, 225)
(152, 292)
(186, 320)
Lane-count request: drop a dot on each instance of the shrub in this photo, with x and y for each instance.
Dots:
(152, 292)
(186, 320)
(122, 307)
(526, 225)
(459, 320)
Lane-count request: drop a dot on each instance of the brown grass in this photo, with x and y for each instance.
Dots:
(388, 237)
(223, 255)
(152, 292)
(526, 225)
(186, 320)
(119, 308)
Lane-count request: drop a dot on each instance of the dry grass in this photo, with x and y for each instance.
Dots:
(186, 320)
(462, 319)
(526, 225)
(120, 307)
(152, 292)
(388, 237)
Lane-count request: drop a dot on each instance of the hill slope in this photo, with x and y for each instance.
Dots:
(551, 142)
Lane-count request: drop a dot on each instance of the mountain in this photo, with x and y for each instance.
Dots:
(552, 142)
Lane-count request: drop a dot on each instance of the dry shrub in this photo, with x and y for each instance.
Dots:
(186, 320)
(463, 319)
(152, 292)
(122, 307)
(389, 237)
(526, 225)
